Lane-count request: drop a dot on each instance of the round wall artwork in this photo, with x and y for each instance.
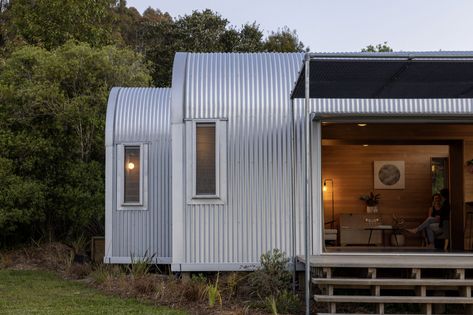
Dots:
(389, 174)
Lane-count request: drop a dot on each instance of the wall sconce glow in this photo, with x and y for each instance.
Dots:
(365, 145)
(131, 166)
(325, 187)
(362, 125)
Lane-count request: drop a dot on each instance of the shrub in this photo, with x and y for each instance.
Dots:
(271, 305)
(231, 283)
(272, 278)
(288, 303)
(199, 278)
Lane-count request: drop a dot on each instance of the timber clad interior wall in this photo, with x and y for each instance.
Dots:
(351, 168)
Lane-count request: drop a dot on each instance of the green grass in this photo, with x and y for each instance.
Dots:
(40, 292)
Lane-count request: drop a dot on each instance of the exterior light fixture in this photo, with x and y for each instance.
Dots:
(325, 186)
(131, 166)
(362, 125)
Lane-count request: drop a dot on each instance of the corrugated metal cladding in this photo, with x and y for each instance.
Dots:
(142, 115)
(401, 107)
(252, 91)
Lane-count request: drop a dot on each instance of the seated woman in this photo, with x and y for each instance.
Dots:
(431, 224)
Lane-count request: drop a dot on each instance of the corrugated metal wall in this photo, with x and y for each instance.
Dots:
(399, 107)
(142, 115)
(253, 92)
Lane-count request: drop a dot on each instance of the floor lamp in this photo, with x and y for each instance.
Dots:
(332, 222)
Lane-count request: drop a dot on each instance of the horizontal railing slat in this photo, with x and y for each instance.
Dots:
(393, 299)
(392, 282)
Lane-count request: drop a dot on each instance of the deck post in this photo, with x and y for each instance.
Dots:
(307, 194)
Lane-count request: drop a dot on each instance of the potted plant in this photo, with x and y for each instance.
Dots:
(371, 202)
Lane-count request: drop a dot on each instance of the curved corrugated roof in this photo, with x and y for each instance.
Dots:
(139, 114)
(217, 83)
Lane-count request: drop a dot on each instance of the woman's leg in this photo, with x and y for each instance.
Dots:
(430, 234)
(426, 223)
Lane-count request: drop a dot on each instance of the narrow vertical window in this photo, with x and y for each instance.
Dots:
(132, 174)
(205, 159)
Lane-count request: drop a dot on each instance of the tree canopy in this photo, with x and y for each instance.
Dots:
(384, 47)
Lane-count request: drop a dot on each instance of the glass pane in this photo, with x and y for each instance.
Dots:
(132, 174)
(205, 159)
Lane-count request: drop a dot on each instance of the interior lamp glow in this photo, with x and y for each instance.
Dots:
(332, 222)
(362, 125)
(131, 165)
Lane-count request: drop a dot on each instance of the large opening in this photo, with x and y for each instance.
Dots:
(381, 180)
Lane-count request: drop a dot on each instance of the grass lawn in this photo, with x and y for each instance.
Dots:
(40, 292)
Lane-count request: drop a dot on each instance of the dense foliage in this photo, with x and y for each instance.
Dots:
(58, 61)
(51, 133)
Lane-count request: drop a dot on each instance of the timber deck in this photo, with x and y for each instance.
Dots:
(429, 280)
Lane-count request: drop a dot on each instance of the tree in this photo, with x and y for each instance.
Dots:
(52, 122)
(206, 31)
(378, 48)
(284, 40)
(51, 23)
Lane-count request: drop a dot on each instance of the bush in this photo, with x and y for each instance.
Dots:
(272, 278)
(288, 303)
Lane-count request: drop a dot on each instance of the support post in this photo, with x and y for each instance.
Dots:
(293, 194)
(307, 183)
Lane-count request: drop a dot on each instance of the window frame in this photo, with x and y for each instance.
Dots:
(143, 181)
(220, 162)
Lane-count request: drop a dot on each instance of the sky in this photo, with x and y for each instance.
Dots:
(346, 25)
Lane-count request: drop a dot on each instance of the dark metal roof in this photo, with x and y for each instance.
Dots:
(388, 76)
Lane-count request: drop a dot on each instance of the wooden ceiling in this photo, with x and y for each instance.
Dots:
(386, 133)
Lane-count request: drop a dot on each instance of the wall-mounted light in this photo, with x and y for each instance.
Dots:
(365, 145)
(362, 125)
(130, 165)
(325, 186)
